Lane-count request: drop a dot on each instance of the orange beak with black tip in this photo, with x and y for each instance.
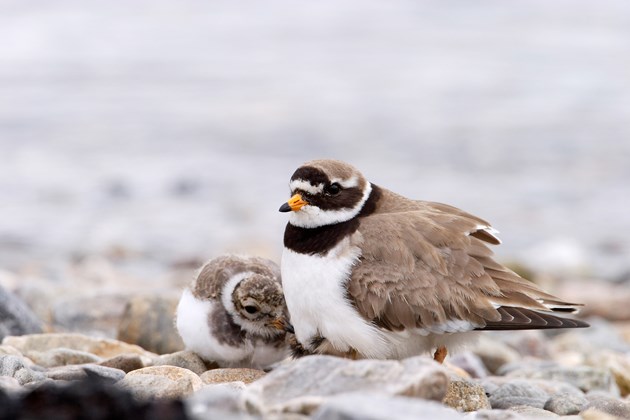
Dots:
(282, 324)
(295, 203)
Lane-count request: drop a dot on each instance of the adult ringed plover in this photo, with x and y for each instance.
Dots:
(368, 273)
(234, 313)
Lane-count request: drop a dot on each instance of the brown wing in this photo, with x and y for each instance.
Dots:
(423, 268)
(216, 272)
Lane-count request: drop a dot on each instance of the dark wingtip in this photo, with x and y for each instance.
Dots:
(514, 318)
(285, 208)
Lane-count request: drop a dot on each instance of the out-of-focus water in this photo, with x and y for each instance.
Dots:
(171, 128)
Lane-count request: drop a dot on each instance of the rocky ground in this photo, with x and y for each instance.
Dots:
(98, 337)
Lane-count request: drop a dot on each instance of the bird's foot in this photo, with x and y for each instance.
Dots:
(440, 354)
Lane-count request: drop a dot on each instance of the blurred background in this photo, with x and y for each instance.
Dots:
(141, 138)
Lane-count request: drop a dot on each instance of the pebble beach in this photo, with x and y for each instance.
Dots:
(137, 142)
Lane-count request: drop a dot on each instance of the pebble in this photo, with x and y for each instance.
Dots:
(148, 322)
(15, 367)
(244, 375)
(585, 378)
(16, 318)
(184, 359)
(306, 382)
(516, 393)
(618, 364)
(493, 353)
(220, 401)
(62, 357)
(161, 382)
(470, 363)
(610, 406)
(73, 373)
(89, 398)
(89, 314)
(533, 412)
(601, 335)
(124, 362)
(466, 396)
(102, 347)
(9, 350)
(361, 406)
(9, 383)
(496, 415)
(566, 404)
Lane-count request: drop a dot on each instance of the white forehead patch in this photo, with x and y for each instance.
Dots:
(300, 184)
(347, 183)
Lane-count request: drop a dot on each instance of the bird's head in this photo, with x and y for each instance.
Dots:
(325, 192)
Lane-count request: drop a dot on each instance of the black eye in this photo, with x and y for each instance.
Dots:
(251, 309)
(333, 189)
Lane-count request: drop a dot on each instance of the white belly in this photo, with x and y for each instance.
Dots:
(315, 292)
(192, 325)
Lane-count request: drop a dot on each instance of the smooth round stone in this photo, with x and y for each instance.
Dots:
(303, 384)
(470, 363)
(566, 404)
(161, 382)
(360, 406)
(102, 347)
(494, 354)
(585, 378)
(62, 357)
(124, 362)
(497, 415)
(185, 359)
(220, 401)
(217, 376)
(533, 412)
(75, 373)
(518, 392)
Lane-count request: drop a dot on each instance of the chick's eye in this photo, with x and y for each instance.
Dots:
(333, 189)
(251, 309)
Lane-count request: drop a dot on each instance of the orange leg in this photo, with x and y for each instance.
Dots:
(440, 354)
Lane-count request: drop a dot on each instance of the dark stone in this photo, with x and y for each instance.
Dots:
(16, 318)
(90, 398)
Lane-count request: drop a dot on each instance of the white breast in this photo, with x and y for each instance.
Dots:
(192, 325)
(315, 292)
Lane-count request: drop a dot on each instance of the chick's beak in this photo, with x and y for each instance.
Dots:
(294, 204)
(282, 324)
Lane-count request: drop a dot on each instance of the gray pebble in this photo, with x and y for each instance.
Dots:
(585, 378)
(518, 392)
(14, 366)
(471, 363)
(359, 406)
(16, 318)
(222, 401)
(566, 404)
(76, 373)
(533, 412)
(496, 415)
